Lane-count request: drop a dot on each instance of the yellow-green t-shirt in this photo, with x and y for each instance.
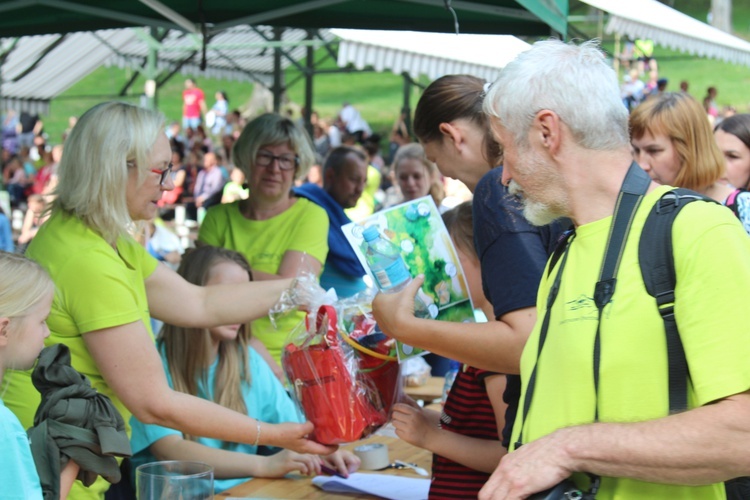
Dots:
(302, 228)
(712, 261)
(96, 289)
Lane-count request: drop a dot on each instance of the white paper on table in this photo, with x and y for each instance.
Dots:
(382, 485)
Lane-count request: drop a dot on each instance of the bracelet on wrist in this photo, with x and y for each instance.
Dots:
(257, 433)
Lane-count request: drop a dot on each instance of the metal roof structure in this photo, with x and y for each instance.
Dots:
(38, 68)
(35, 69)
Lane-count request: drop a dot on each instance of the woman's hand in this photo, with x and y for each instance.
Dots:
(286, 461)
(345, 462)
(294, 437)
(413, 425)
(394, 311)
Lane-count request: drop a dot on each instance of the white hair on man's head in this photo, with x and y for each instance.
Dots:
(572, 80)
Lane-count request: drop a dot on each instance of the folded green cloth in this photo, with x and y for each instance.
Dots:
(74, 422)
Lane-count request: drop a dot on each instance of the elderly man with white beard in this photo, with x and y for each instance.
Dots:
(594, 407)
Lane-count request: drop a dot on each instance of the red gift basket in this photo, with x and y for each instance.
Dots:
(343, 405)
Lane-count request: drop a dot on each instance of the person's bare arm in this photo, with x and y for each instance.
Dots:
(232, 464)
(67, 477)
(131, 366)
(495, 345)
(700, 446)
(27, 230)
(414, 426)
(173, 300)
(179, 178)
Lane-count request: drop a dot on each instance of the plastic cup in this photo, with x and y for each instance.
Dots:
(174, 480)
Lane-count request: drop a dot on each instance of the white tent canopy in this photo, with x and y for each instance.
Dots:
(649, 19)
(429, 54)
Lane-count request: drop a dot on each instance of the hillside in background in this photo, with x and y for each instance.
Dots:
(379, 95)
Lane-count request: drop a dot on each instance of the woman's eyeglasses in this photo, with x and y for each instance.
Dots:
(163, 173)
(285, 162)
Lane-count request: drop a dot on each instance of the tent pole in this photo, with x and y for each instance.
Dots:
(277, 73)
(406, 109)
(309, 74)
(150, 86)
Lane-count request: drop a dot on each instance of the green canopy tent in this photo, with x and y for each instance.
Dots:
(514, 17)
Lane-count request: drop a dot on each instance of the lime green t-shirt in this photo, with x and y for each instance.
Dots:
(712, 261)
(302, 228)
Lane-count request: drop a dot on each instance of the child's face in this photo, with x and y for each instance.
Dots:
(28, 335)
(226, 273)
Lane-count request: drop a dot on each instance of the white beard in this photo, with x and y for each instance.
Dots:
(537, 213)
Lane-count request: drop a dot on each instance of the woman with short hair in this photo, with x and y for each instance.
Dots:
(672, 141)
(279, 234)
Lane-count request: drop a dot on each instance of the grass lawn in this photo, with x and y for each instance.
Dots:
(379, 96)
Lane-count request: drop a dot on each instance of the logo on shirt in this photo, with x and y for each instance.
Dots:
(582, 308)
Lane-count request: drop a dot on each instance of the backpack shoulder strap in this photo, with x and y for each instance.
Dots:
(657, 267)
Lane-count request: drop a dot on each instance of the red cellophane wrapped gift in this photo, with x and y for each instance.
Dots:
(343, 406)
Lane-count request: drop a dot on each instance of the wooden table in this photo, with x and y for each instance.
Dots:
(293, 487)
(428, 392)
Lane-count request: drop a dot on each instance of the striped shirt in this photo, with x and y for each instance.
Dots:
(468, 411)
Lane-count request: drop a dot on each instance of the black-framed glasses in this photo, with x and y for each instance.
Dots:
(163, 173)
(285, 162)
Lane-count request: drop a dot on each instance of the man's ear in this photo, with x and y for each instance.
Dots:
(4, 331)
(548, 125)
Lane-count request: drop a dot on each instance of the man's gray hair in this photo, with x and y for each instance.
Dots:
(574, 81)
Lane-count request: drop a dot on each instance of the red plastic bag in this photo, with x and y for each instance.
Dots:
(325, 384)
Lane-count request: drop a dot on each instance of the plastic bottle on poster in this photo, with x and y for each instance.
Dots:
(450, 377)
(387, 265)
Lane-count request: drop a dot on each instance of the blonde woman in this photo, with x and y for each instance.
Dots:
(115, 168)
(219, 364)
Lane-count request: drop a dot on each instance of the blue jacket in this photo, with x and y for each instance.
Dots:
(340, 253)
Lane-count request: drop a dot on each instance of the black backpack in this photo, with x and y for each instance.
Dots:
(657, 268)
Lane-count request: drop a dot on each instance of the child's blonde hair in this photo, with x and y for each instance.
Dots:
(24, 283)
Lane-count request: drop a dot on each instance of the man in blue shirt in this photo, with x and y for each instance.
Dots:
(344, 178)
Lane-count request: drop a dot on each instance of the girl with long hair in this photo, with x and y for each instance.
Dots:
(219, 364)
